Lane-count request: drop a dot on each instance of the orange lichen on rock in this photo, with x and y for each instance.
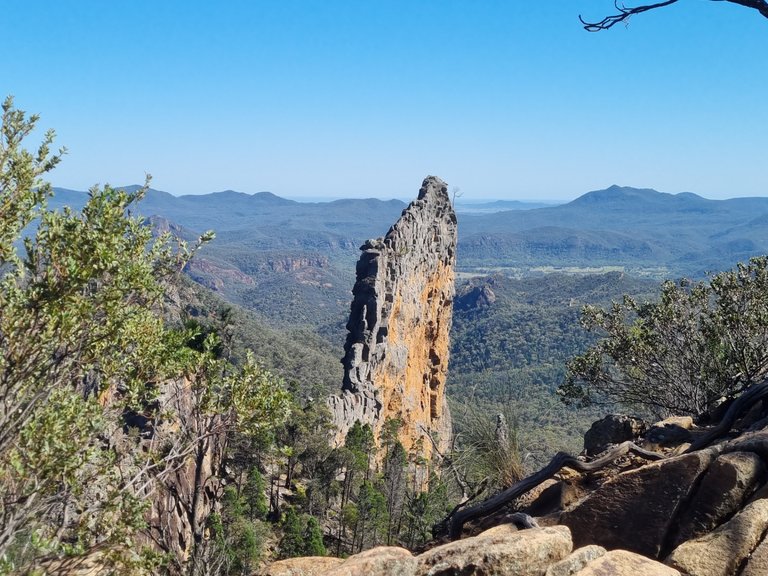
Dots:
(396, 354)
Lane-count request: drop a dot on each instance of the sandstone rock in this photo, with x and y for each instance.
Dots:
(624, 563)
(724, 487)
(501, 551)
(541, 500)
(613, 429)
(475, 297)
(380, 561)
(396, 353)
(181, 502)
(575, 561)
(685, 422)
(668, 435)
(721, 552)
(756, 442)
(306, 566)
(757, 565)
(636, 509)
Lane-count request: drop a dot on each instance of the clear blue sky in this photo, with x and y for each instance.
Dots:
(502, 98)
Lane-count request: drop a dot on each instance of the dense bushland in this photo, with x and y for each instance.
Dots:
(91, 373)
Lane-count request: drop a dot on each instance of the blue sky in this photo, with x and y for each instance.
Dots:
(333, 98)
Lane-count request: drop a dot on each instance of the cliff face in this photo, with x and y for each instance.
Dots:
(396, 353)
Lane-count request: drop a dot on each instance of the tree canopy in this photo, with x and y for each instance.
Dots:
(696, 345)
(102, 396)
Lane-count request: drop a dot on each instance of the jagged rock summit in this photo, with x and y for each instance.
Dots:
(396, 353)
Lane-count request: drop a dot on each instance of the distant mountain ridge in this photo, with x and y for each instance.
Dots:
(636, 228)
(684, 234)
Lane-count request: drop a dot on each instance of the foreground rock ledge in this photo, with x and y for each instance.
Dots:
(500, 551)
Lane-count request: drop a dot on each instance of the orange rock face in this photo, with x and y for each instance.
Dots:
(396, 354)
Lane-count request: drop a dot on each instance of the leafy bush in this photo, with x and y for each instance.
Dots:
(698, 344)
(89, 370)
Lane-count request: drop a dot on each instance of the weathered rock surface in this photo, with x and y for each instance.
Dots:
(305, 566)
(502, 551)
(757, 565)
(635, 510)
(724, 488)
(721, 552)
(575, 561)
(756, 442)
(396, 353)
(381, 561)
(183, 500)
(623, 563)
(613, 429)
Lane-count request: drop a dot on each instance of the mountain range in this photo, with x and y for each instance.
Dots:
(295, 260)
(669, 234)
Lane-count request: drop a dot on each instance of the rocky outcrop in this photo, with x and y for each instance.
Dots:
(190, 492)
(649, 497)
(724, 550)
(729, 481)
(624, 563)
(475, 297)
(305, 566)
(396, 353)
(575, 561)
(500, 551)
(216, 275)
(613, 429)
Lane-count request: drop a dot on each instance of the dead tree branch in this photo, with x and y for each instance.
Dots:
(753, 394)
(561, 460)
(625, 13)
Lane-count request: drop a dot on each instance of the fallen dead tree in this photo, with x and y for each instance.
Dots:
(748, 398)
(455, 521)
(560, 461)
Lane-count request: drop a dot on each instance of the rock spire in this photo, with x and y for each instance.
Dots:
(396, 353)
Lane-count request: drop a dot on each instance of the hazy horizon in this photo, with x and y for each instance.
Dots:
(460, 199)
(348, 99)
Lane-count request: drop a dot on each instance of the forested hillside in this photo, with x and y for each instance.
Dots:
(644, 231)
(510, 343)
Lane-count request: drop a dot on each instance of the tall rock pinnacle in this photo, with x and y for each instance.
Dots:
(396, 353)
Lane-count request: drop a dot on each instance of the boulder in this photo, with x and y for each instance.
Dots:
(613, 429)
(575, 561)
(685, 422)
(668, 434)
(306, 566)
(501, 551)
(380, 561)
(757, 565)
(635, 510)
(722, 551)
(724, 488)
(756, 442)
(624, 563)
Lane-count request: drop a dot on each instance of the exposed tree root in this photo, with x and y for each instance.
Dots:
(455, 521)
(560, 461)
(748, 398)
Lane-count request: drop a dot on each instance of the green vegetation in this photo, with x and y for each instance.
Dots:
(682, 354)
(122, 381)
(508, 356)
(89, 371)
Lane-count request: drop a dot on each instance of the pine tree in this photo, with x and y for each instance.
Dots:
(313, 538)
